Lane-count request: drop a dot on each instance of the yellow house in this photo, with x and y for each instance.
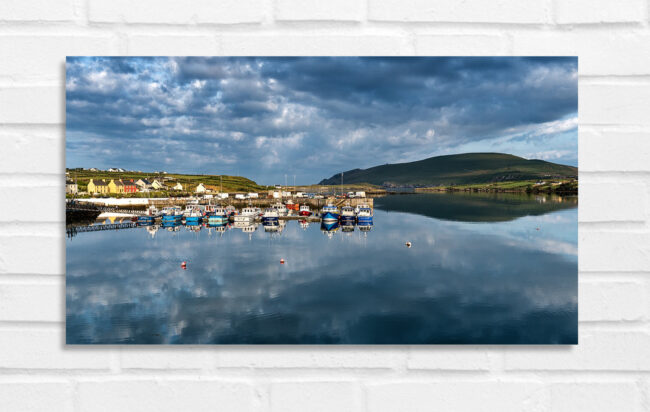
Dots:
(97, 186)
(116, 186)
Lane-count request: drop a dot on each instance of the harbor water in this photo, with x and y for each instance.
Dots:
(480, 269)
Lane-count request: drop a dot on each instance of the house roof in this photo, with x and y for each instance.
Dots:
(99, 182)
(127, 183)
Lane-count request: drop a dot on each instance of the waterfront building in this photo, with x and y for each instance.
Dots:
(129, 186)
(98, 186)
(143, 184)
(115, 186)
(71, 187)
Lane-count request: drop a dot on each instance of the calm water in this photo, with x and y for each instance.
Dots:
(481, 269)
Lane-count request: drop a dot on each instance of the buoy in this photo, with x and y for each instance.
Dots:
(536, 228)
(408, 244)
(282, 261)
(184, 265)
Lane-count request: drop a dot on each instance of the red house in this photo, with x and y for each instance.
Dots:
(129, 186)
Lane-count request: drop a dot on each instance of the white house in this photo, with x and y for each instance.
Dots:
(277, 195)
(286, 194)
(240, 196)
(253, 196)
(178, 186)
(360, 194)
(158, 185)
(200, 188)
(223, 195)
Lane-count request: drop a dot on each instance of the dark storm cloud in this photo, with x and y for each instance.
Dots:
(266, 117)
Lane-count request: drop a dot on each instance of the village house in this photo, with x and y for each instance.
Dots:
(71, 187)
(158, 185)
(98, 186)
(178, 186)
(200, 188)
(129, 186)
(144, 185)
(115, 186)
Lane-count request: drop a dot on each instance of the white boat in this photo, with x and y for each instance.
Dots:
(248, 214)
(270, 215)
(364, 215)
(304, 210)
(282, 209)
(348, 214)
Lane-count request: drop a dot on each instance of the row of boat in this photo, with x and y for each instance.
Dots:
(218, 215)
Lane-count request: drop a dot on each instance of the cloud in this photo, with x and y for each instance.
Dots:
(349, 112)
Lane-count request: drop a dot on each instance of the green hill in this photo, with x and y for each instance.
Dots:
(458, 169)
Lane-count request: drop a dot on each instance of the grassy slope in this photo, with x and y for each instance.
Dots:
(456, 169)
(189, 182)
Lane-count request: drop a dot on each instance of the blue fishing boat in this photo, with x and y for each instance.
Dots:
(270, 216)
(347, 215)
(193, 214)
(172, 214)
(364, 215)
(217, 217)
(149, 217)
(330, 213)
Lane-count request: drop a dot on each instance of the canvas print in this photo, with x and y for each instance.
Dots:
(321, 200)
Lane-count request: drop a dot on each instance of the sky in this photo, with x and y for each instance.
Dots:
(312, 117)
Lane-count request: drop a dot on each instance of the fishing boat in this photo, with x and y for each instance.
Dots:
(149, 217)
(247, 215)
(292, 206)
(282, 209)
(270, 215)
(230, 210)
(193, 214)
(348, 215)
(330, 213)
(364, 215)
(304, 210)
(217, 216)
(172, 214)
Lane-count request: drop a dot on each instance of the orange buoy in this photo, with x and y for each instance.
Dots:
(282, 261)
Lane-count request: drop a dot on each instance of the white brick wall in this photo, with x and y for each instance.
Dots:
(608, 371)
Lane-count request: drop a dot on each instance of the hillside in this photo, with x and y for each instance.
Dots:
(455, 170)
(230, 183)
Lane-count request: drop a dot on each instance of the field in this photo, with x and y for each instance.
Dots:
(569, 186)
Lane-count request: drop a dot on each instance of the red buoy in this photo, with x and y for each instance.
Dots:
(184, 265)
(282, 261)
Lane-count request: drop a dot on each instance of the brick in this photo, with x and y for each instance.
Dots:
(36, 150)
(36, 396)
(338, 10)
(307, 357)
(610, 150)
(613, 251)
(597, 351)
(625, 200)
(32, 302)
(167, 357)
(471, 11)
(145, 45)
(460, 45)
(45, 104)
(600, 52)
(595, 396)
(19, 204)
(36, 10)
(32, 254)
(314, 45)
(611, 301)
(315, 396)
(45, 349)
(599, 11)
(455, 396)
(165, 395)
(612, 103)
(448, 358)
(172, 12)
(38, 57)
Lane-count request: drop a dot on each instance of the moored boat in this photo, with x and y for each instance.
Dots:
(348, 215)
(304, 210)
(217, 216)
(172, 214)
(364, 215)
(270, 215)
(330, 213)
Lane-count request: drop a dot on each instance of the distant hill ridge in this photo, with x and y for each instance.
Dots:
(467, 168)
